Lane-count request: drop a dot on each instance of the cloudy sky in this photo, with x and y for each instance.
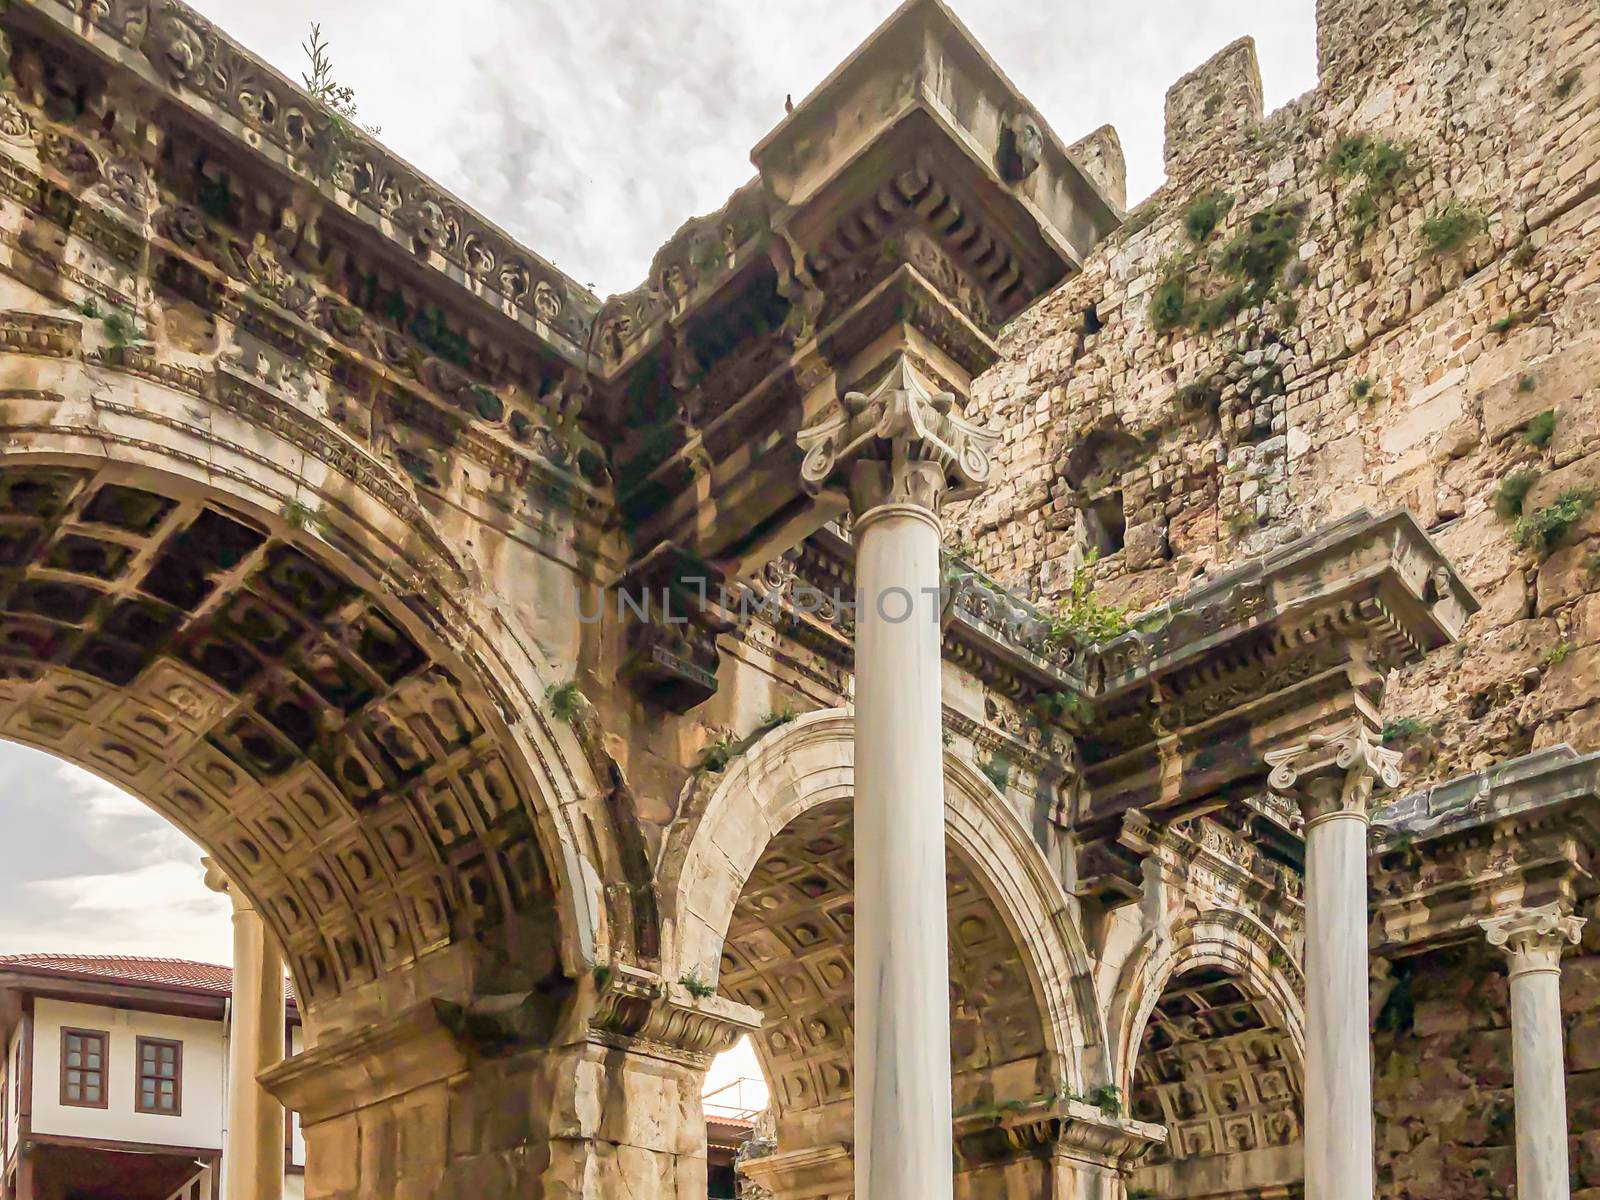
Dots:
(590, 131)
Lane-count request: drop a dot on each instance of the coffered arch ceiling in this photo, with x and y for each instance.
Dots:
(352, 777)
(1217, 1068)
(789, 952)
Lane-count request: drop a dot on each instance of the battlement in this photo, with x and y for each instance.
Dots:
(1350, 32)
(1215, 102)
(1100, 156)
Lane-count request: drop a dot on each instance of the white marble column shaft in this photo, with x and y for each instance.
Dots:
(1338, 1090)
(903, 1146)
(900, 452)
(1332, 777)
(1533, 940)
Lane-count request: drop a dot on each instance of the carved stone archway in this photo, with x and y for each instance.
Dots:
(351, 775)
(757, 897)
(1209, 1031)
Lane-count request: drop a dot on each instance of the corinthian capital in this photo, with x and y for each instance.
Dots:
(1332, 774)
(1533, 938)
(902, 444)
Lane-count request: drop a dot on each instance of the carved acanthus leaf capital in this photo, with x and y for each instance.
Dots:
(902, 444)
(1334, 773)
(1534, 938)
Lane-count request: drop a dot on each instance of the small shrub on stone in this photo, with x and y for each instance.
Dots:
(697, 987)
(1107, 1098)
(1557, 654)
(1514, 489)
(565, 700)
(1527, 383)
(1452, 227)
(997, 770)
(1541, 429)
(716, 758)
(297, 514)
(1380, 165)
(1544, 530)
(1205, 214)
(1169, 303)
(1085, 619)
(120, 328)
(1402, 729)
(1258, 253)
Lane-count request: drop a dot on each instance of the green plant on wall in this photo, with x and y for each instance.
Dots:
(332, 141)
(1380, 166)
(1541, 429)
(1085, 619)
(565, 700)
(1245, 272)
(1513, 490)
(1204, 214)
(1452, 227)
(997, 769)
(1545, 529)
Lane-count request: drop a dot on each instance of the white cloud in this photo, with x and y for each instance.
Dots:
(92, 870)
(161, 909)
(592, 131)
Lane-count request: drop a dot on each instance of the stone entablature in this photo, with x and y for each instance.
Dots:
(1521, 834)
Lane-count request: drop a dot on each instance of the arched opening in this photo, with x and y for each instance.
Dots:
(307, 729)
(758, 894)
(789, 953)
(1217, 1066)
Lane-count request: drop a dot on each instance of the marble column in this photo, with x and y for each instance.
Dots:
(1533, 939)
(899, 451)
(1331, 777)
(253, 1155)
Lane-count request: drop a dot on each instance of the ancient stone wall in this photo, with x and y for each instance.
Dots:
(1371, 297)
(1299, 323)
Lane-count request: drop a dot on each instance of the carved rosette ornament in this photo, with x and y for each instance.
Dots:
(902, 444)
(1534, 938)
(1333, 774)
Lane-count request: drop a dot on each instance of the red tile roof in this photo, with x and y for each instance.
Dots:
(178, 974)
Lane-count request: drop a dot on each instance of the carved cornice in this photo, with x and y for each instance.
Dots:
(1070, 1129)
(1522, 834)
(174, 53)
(1203, 847)
(639, 1011)
(355, 1070)
(1534, 938)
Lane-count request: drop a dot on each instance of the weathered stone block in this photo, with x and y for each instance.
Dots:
(1529, 389)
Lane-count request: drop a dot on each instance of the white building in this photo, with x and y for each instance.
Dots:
(115, 1079)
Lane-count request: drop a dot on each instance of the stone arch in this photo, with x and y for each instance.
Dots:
(322, 708)
(779, 820)
(1209, 1035)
